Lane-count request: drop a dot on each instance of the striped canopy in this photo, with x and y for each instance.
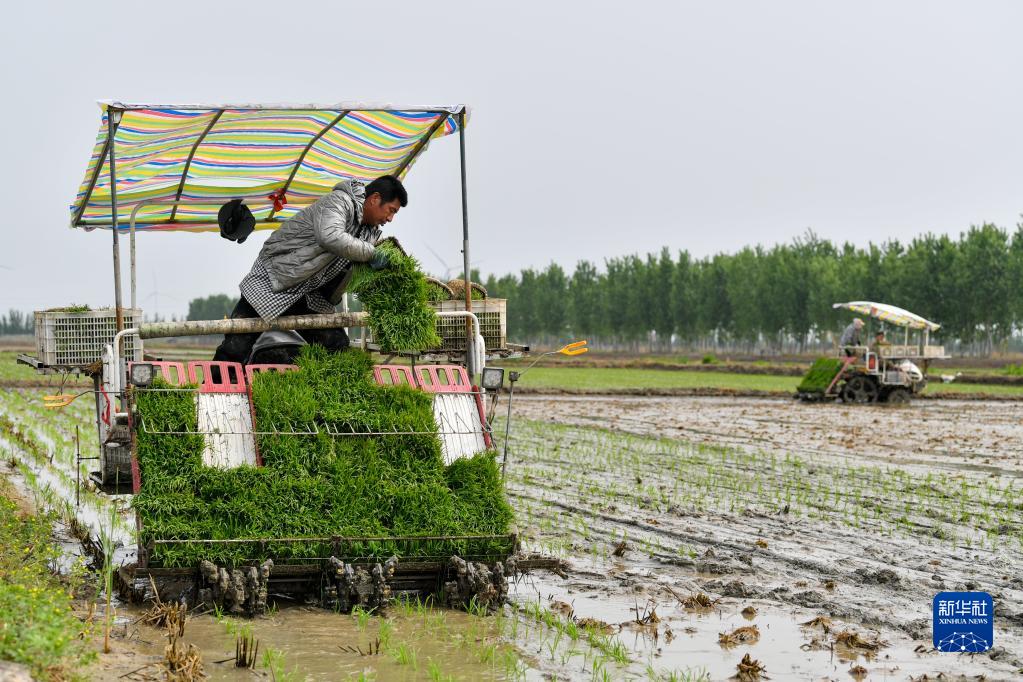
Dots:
(219, 152)
(889, 313)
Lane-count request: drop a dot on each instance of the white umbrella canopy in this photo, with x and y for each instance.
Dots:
(889, 313)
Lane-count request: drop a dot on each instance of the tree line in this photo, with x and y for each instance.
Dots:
(16, 322)
(759, 298)
(778, 298)
(214, 307)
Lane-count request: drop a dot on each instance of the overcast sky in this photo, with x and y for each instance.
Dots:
(598, 129)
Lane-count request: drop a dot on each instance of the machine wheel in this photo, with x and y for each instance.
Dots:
(898, 396)
(860, 389)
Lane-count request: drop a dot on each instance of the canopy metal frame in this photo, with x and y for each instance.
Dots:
(115, 110)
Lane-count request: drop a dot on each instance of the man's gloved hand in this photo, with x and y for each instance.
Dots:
(380, 260)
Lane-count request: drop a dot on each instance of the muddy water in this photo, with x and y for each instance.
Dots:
(688, 639)
(313, 644)
(317, 645)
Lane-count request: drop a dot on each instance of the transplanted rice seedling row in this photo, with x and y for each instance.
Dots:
(604, 468)
(47, 470)
(316, 485)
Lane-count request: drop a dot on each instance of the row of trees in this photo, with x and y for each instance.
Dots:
(215, 307)
(778, 298)
(16, 322)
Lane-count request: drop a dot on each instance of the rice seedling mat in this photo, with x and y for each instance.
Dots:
(344, 465)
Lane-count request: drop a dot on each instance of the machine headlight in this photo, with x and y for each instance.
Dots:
(493, 378)
(141, 374)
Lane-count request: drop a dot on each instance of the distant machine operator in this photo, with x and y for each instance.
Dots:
(851, 337)
(304, 266)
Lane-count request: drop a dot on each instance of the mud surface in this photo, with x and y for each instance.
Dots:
(857, 514)
(986, 436)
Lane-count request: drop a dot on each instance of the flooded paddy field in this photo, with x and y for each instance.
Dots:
(702, 539)
(803, 512)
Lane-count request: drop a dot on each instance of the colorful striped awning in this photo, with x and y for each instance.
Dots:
(889, 313)
(219, 152)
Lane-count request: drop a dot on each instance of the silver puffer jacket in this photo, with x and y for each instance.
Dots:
(316, 235)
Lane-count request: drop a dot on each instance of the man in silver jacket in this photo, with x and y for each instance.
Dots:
(304, 266)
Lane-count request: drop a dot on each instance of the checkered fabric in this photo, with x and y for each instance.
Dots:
(258, 291)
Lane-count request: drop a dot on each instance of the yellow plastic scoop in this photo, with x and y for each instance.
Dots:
(55, 402)
(574, 348)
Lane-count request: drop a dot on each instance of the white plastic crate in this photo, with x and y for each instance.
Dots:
(75, 339)
(493, 317)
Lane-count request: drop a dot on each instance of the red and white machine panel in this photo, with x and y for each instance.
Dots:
(457, 404)
(226, 420)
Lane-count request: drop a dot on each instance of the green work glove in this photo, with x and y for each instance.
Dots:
(380, 260)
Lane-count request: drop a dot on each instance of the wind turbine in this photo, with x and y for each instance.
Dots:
(448, 270)
(155, 295)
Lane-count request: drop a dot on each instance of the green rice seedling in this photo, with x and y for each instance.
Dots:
(273, 660)
(433, 670)
(404, 654)
(436, 620)
(435, 294)
(397, 300)
(406, 606)
(687, 675)
(107, 545)
(385, 633)
(314, 485)
(820, 375)
(486, 653)
(598, 670)
(553, 646)
(513, 668)
(361, 616)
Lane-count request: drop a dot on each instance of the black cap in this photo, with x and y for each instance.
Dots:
(236, 221)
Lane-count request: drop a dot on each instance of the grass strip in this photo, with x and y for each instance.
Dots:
(37, 625)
